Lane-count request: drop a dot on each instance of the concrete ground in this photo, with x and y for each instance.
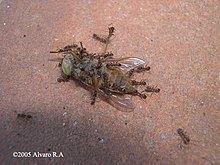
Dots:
(179, 40)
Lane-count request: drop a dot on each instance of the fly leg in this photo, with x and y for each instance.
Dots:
(111, 31)
(82, 51)
(95, 83)
(94, 95)
(63, 78)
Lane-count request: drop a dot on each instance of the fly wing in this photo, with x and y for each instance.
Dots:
(130, 63)
(127, 63)
(121, 102)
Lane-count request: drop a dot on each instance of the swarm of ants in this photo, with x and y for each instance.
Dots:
(106, 76)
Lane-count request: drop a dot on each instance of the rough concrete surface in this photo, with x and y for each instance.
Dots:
(179, 40)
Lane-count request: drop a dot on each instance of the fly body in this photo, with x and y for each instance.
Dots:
(106, 76)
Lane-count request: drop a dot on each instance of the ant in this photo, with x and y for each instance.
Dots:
(142, 69)
(138, 70)
(112, 64)
(133, 82)
(184, 137)
(66, 48)
(152, 89)
(105, 40)
(24, 116)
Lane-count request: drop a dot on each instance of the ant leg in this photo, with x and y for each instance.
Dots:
(94, 95)
(181, 145)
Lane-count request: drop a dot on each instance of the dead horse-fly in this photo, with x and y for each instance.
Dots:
(109, 77)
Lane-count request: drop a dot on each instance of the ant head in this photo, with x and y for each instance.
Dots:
(179, 130)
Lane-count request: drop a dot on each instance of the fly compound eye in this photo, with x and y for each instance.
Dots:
(68, 57)
(67, 64)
